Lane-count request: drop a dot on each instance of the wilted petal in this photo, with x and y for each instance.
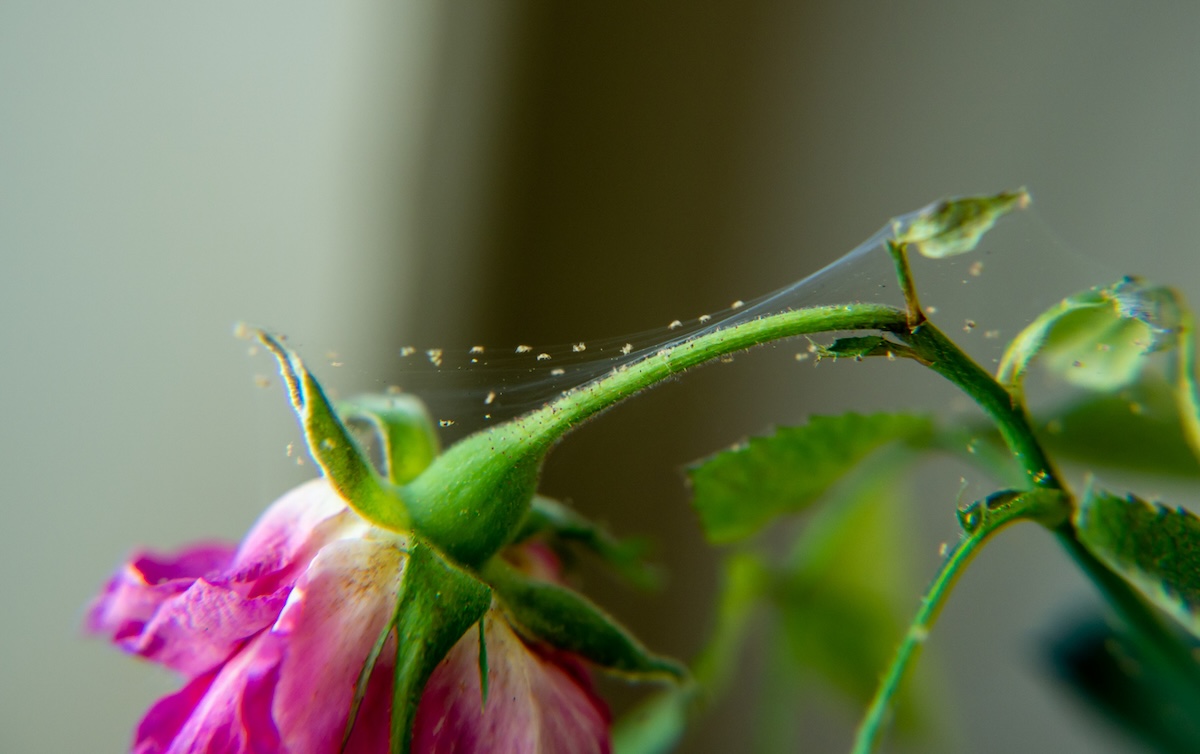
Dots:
(132, 596)
(226, 711)
(333, 617)
(537, 703)
(168, 609)
(191, 611)
(288, 535)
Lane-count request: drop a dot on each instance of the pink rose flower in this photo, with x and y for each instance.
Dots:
(272, 635)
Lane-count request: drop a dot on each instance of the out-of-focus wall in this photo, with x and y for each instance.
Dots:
(372, 174)
(166, 170)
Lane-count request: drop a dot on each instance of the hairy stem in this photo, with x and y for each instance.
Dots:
(557, 417)
(918, 630)
(947, 359)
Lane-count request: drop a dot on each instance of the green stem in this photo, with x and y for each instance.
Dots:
(981, 521)
(1008, 413)
(899, 252)
(547, 424)
(947, 359)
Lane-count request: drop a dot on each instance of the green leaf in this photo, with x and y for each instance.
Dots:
(404, 428)
(1138, 428)
(1108, 669)
(566, 620)
(1097, 339)
(738, 491)
(954, 226)
(331, 446)
(1154, 548)
(625, 556)
(841, 592)
(438, 604)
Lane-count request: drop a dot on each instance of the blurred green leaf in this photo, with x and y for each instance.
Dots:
(954, 226)
(737, 492)
(656, 726)
(1097, 339)
(744, 585)
(1148, 700)
(1186, 392)
(1154, 548)
(1138, 428)
(840, 594)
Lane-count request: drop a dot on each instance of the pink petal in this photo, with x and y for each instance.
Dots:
(165, 609)
(334, 616)
(132, 596)
(191, 611)
(536, 704)
(288, 535)
(223, 712)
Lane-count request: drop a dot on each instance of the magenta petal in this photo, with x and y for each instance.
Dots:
(191, 611)
(535, 704)
(288, 535)
(334, 616)
(223, 712)
(198, 629)
(163, 608)
(133, 595)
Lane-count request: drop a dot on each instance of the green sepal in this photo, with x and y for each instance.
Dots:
(1097, 339)
(737, 492)
(625, 556)
(438, 603)
(954, 226)
(404, 429)
(483, 663)
(860, 347)
(565, 620)
(333, 449)
(1154, 548)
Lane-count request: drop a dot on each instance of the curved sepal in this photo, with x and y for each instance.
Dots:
(565, 620)
(404, 428)
(1154, 548)
(1097, 339)
(954, 226)
(625, 556)
(331, 447)
(439, 602)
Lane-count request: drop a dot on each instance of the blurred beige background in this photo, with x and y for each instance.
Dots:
(362, 175)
